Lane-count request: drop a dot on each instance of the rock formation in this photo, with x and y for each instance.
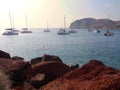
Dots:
(45, 58)
(91, 23)
(50, 73)
(92, 76)
(4, 54)
(16, 69)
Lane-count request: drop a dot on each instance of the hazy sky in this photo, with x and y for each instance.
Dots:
(40, 11)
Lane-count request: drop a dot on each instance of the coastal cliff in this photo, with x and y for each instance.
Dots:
(91, 23)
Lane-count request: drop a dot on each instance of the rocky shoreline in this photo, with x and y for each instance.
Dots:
(50, 73)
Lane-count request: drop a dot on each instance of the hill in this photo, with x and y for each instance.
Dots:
(90, 23)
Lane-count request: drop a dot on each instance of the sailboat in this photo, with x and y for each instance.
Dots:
(108, 33)
(25, 30)
(72, 30)
(62, 31)
(11, 31)
(47, 30)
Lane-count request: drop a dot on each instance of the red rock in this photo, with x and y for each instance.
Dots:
(17, 58)
(45, 58)
(26, 86)
(4, 55)
(52, 70)
(92, 76)
(16, 69)
(38, 80)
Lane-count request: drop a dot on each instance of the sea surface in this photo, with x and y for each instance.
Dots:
(76, 48)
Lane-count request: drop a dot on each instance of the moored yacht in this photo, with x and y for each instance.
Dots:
(108, 33)
(97, 31)
(47, 30)
(62, 32)
(72, 31)
(11, 31)
(26, 30)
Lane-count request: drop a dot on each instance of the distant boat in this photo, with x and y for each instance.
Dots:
(72, 31)
(26, 30)
(63, 31)
(11, 31)
(90, 29)
(108, 33)
(97, 31)
(47, 30)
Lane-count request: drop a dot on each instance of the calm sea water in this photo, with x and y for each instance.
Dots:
(75, 48)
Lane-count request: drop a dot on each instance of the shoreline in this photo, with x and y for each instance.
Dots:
(43, 73)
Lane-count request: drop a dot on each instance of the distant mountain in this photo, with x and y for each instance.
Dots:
(91, 23)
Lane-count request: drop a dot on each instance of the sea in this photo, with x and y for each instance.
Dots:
(75, 48)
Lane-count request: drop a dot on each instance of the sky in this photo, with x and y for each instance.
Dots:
(39, 12)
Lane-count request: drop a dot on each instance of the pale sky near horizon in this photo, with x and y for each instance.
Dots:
(40, 11)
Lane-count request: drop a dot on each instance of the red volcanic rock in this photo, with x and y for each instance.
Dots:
(16, 69)
(38, 80)
(4, 54)
(52, 70)
(92, 76)
(26, 86)
(17, 58)
(45, 58)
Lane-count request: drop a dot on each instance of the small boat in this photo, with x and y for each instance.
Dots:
(96, 31)
(11, 31)
(26, 30)
(108, 33)
(72, 31)
(90, 30)
(47, 30)
(62, 32)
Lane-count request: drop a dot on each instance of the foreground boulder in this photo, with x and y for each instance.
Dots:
(17, 58)
(16, 69)
(4, 55)
(45, 58)
(4, 81)
(52, 70)
(92, 76)
(38, 80)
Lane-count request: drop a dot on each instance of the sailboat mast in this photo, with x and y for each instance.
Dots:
(64, 22)
(13, 21)
(26, 20)
(10, 19)
(47, 24)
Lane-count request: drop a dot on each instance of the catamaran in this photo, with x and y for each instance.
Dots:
(26, 30)
(47, 30)
(11, 31)
(62, 31)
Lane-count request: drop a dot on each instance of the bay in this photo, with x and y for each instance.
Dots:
(74, 48)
